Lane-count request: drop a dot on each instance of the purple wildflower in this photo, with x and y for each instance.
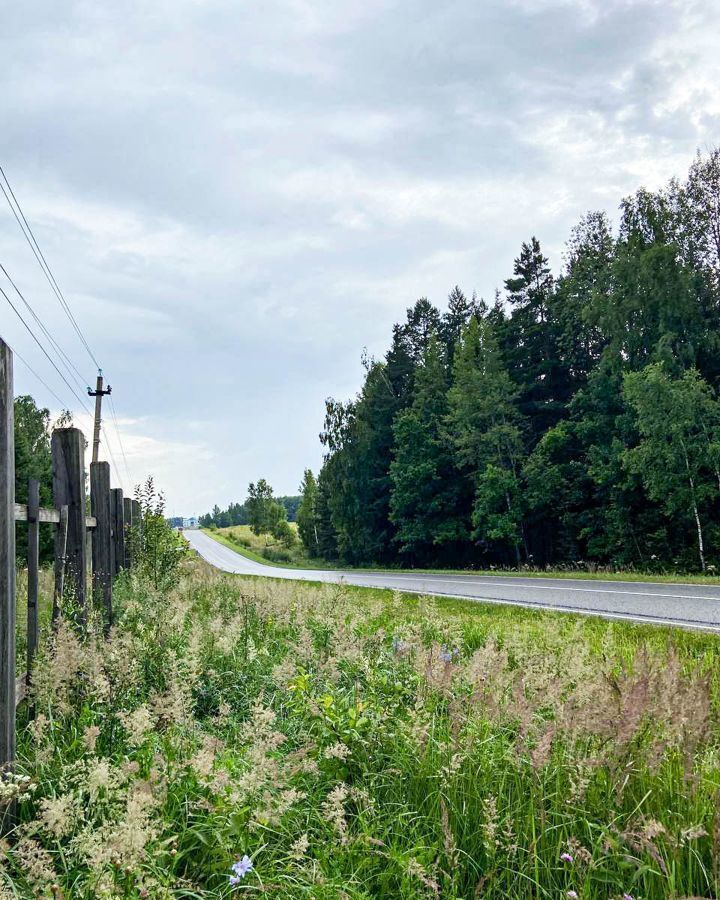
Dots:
(566, 857)
(448, 655)
(240, 868)
(572, 894)
(627, 897)
(399, 645)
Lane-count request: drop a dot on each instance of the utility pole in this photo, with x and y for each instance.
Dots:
(98, 394)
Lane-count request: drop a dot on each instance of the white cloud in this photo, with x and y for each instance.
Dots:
(236, 199)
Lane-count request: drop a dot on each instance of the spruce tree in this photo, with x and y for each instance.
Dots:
(487, 432)
(424, 503)
(530, 340)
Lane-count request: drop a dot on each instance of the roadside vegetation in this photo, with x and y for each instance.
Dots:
(264, 547)
(267, 550)
(238, 735)
(574, 421)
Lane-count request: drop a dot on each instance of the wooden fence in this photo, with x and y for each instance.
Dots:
(109, 525)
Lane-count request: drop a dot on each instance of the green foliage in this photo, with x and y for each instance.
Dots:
(33, 460)
(307, 514)
(364, 744)
(678, 455)
(266, 515)
(425, 505)
(237, 513)
(157, 549)
(538, 434)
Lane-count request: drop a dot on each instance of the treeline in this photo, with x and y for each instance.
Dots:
(239, 514)
(575, 420)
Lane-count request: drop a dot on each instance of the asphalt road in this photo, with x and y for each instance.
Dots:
(687, 605)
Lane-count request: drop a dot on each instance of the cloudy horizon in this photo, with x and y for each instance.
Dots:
(237, 200)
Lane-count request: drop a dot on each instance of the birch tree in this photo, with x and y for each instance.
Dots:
(678, 420)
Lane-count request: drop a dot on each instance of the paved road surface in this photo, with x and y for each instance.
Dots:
(689, 605)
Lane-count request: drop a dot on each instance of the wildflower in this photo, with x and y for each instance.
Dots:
(300, 847)
(337, 751)
(57, 815)
(693, 833)
(90, 736)
(627, 897)
(333, 810)
(572, 894)
(566, 857)
(448, 654)
(240, 869)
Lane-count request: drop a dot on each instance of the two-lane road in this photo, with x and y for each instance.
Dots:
(687, 605)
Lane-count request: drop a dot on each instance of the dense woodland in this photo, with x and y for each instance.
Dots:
(575, 420)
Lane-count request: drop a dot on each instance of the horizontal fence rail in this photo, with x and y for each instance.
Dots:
(49, 516)
(108, 528)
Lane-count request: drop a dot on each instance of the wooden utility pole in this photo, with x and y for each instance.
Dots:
(7, 558)
(98, 394)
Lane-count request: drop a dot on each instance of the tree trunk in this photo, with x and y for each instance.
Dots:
(517, 544)
(698, 525)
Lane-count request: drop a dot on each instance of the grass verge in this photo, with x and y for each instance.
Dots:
(336, 742)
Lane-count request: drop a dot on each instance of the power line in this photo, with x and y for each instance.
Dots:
(112, 458)
(64, 358)
(41, 380)
(50, 359)
(42, 262)
(120, 441)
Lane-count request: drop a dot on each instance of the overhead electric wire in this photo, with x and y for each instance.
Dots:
(39, 378)
(42, 262)
(110, 453)
(120, 441)
(50, 359)
(72, 369)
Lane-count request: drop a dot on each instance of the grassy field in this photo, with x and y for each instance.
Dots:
(337, 742)
(265, 550)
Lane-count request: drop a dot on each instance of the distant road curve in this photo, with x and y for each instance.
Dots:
(687, 605)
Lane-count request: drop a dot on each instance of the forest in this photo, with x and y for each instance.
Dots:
(573, 421)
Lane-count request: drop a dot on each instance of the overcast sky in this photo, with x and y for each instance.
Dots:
(237, 197)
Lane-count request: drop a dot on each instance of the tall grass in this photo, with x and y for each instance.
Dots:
(357, 744)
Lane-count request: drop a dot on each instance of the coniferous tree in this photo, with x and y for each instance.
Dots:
(425, 501)
(487, 432)
(327, 536)
(455, 320)
(529, 338)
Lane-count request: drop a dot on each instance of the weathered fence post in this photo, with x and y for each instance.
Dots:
(68, 453)
(137, 528)
(129, 536)
(101, 540)
(33, 569)
(60, 551)
(7, 558)
(117, 514)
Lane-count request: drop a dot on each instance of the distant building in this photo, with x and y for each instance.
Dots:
(190, 522)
